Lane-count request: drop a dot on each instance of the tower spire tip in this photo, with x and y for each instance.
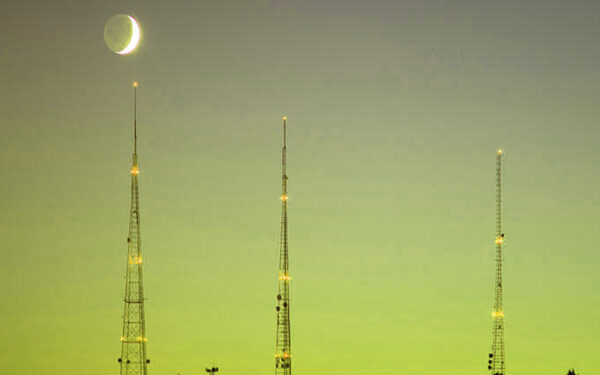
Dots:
(135, 86)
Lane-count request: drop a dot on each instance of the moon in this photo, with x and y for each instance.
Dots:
(135, 38)
(122, 34)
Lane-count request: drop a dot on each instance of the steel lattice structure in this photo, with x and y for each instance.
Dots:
(496, 363)
(133, 359)
(283, 354)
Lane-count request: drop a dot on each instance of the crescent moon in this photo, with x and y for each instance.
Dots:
(135, 38)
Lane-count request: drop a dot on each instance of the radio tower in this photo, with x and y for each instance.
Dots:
(133, 359)
(283, 356)
(496, 363)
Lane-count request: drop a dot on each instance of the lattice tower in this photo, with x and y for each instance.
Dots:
(133, 359)
(496, 362)
(283, 354)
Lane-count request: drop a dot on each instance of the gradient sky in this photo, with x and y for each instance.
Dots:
(395, 110)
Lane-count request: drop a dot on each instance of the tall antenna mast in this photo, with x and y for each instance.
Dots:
(283, 354)
(133, 359)
(496, 358)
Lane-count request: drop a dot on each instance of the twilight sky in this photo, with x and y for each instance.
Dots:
(395, 110)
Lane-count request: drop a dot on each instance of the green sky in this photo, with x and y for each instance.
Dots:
(395, 110)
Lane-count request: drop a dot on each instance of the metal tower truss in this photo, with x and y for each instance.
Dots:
(133, 359)
(496, 363)
(283, 354)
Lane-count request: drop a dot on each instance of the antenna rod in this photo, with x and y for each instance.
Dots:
(283, 157)
(499, 233)
(284, 131)
(135, 85)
